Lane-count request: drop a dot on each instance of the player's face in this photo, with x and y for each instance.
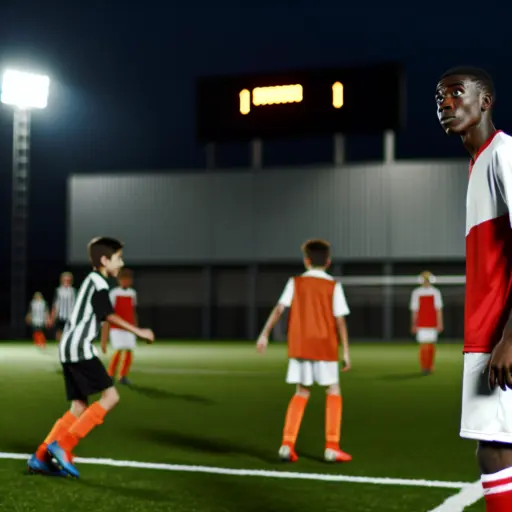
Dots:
(459, 104)
(125, 282)
(67, 281)
(114, 265)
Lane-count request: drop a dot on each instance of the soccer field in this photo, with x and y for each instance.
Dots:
(200, 429)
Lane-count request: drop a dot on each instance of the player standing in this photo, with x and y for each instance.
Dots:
(124, 300)
(63, 303)
(37, 318)
(465, 99)
(84, 374)
(426, 307)
(316, 327)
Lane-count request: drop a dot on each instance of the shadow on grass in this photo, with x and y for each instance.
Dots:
(206, 445)
(162, 394)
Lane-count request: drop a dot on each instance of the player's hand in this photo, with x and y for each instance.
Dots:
(104, 348)
(346, 364)
(500, 365)
(414, 330)
(147, 334)
(261, 344)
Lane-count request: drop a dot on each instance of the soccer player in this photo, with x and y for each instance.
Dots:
(124, 300)
(426, 320)
(84, 374)
(465, 99)
(63, 302)
(37, 318)
(316, 326)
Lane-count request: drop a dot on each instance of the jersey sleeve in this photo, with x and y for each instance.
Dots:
(101, 304)
(503, 171)
(438, 300)
(414, 304)
(339, 302)
(287, 295)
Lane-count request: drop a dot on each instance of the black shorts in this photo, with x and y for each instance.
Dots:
(60, 324)
(85, 378)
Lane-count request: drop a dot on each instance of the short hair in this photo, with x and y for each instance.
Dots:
(478, 75)
(317, 251)
(66, 274)
(102, 246)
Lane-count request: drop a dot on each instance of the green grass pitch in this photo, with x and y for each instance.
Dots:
(222, 405)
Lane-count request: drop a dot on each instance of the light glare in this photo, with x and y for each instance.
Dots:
(25, 90)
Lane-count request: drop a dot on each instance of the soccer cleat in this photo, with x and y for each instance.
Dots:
(331, 455)
(44, 467)
(125, 381)
(63, 458)
(288, 454)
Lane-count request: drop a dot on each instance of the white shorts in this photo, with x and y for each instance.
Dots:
(426, 335)
(122, 340)
(486, 415)
(306, 372)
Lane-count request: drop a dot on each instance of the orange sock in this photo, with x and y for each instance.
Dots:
(114, 363)
(42, 339)
(61, 426)
(423, 356)
(127, 363)
(91, 418)
(333, 409)
(293, 419)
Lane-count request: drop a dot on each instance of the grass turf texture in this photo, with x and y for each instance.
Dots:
(223, 405)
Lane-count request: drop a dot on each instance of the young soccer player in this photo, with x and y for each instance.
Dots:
(426, 307)
(63, 302)
(84, 374)
(124, 300)
(316, 326)
(37, 318)
(465, 100)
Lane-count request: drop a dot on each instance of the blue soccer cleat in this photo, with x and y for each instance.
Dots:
(44, 467)
(63, 459)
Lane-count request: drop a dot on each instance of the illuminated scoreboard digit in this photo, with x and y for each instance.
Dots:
(363, 100)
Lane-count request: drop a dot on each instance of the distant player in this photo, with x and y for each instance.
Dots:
(84, 374)
(316, 327)
(63, 302)
(124, 300)
(426, 320)
(465, 99)
(37, 319)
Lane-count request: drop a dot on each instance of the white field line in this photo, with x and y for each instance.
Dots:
(258, 473)
(465, 498)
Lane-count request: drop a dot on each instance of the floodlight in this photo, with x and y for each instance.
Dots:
(25, 90)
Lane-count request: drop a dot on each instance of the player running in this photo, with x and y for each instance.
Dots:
(465, 99)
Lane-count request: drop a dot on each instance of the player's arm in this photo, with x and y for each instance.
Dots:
(438, 302)
(500, 362)
(105, 330)
(105, 312)
(341, 327)
(28, 316)
(414, 306)
(285, 301)
(340, 311)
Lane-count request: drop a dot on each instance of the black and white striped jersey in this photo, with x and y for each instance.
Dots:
(38, 311)
(64, 301)
(92, 306)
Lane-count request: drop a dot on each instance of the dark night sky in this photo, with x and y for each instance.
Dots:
(123, 82)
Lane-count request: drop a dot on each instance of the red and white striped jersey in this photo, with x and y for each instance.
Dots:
(426, 301)
(488, 245)
(124, 301)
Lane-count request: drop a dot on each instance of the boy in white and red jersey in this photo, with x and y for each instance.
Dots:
(124, 301)
(465, 99)
(426, 320)
(316, 327)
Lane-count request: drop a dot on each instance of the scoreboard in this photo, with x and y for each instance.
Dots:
(305, 102)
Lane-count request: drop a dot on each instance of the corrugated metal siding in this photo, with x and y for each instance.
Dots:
(405, 210)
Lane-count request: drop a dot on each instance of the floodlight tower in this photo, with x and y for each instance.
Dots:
(24, 92)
